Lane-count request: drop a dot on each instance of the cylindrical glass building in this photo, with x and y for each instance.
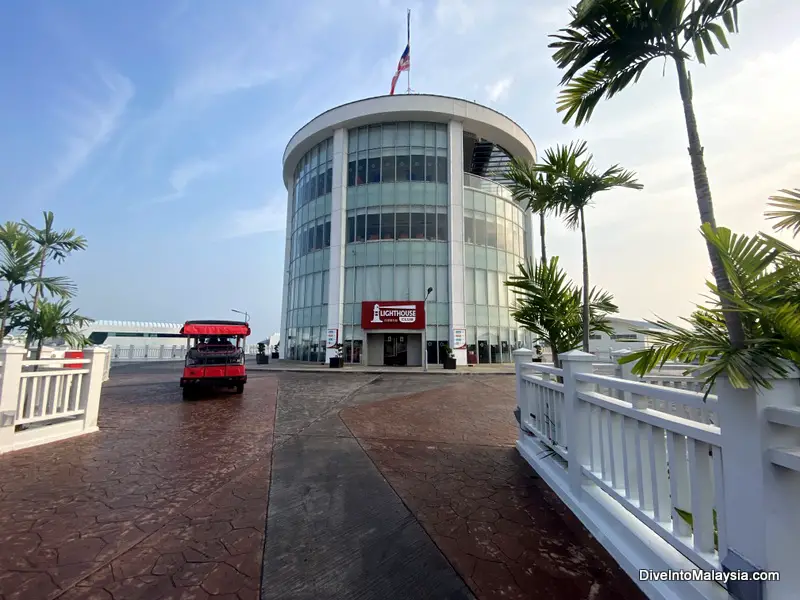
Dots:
(400, 233)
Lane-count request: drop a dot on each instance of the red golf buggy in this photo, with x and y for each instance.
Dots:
(214, 355)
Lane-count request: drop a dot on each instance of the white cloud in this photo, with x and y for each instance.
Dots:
(90, 119)
(266, 218)
(223, 78)
(181, 177)
(499, 89)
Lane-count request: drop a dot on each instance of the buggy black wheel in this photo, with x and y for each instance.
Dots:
(239, 388)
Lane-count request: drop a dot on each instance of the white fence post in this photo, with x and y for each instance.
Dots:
(107, 368)
(577, 415)
(760, 507)
(93, 384)
(521, 357)
(11, 370)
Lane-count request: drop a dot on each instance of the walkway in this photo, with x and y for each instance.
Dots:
(381, 487)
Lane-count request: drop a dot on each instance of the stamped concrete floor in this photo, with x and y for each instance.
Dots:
(367, 486)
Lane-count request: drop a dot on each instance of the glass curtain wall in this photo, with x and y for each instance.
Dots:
(397, 226)
(310, 255)
(494, 241)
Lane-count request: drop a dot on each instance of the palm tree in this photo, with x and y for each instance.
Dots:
(765, 279)
(53, 245)
(53, 320)
(576, 184)
(533, 190)
(608, 45)
(17, 264)
(550, 306)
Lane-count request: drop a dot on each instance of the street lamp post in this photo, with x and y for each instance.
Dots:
(425, 323)
(246, 320)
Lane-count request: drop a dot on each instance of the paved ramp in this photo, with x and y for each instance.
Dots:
(336, 529)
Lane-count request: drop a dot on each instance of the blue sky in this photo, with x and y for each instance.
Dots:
(151, 126)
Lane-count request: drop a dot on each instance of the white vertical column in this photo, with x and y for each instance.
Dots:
(338, 240)
(286, 257)
(455, 144)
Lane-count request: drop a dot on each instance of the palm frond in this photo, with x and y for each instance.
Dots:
(608, 44)
(788, 212)
(765, 292)
(702, 22)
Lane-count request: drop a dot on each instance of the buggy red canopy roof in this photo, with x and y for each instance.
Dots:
(215, 328)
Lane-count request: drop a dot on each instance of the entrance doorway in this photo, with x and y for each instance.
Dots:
(395, 350)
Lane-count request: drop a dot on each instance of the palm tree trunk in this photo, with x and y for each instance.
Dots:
(541, 234)
(556, 360)
(585, 285)
(6, 308)
(36, 294)
(705, 205)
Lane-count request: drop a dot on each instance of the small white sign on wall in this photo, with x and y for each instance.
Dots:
(333, 337)
(459, 339)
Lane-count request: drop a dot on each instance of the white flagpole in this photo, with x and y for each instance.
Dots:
(408, 42)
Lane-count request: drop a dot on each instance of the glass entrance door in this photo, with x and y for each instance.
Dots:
(395, 353)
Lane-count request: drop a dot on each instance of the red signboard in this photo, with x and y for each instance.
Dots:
(394, 314)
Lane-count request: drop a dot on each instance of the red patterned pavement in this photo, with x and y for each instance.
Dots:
(167, 500)
(449, 454)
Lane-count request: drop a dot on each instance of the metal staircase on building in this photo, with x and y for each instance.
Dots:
(486, 159)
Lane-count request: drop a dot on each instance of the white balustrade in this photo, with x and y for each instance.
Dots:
(653, 473)
(48, 400)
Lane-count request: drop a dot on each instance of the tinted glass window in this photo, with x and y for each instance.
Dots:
(319, 237)
(418, 226)
(361, 173)
(373, 227)
(401, 224)
(329, 180)
(501, 234)
(491, 234)
(351, 229)
(361, 226)
(312, 187)
(430, 226)
(441, 169)
(374, 170)
(441, 227)
(321, 184)
(388, 169)
(480, 232)
(387, 226)
(327, 240)
(430, 168)
(351, 173)
(469, 230)
(417, 167)
(402, 168)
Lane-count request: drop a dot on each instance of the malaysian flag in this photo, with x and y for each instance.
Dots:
(405, 58)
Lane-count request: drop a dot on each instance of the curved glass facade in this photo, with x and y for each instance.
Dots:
(392, 230)
(397, 226)
(309, 261)
(494, 243)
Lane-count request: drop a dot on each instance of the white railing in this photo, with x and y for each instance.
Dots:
(646, 467)
(155, 353)
(487, 185)
(48, 400)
